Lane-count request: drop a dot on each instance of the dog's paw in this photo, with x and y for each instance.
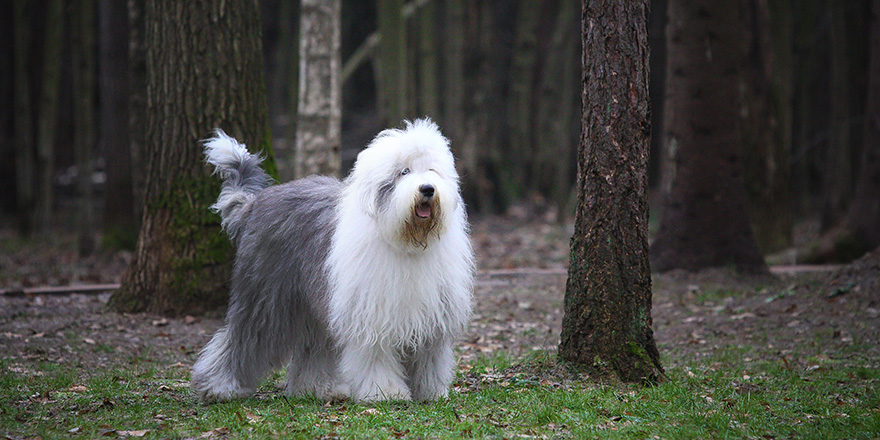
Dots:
(386, 391)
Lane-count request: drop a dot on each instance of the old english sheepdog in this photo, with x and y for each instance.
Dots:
(361, 286)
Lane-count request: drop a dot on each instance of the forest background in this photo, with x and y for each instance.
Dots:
(502, 79)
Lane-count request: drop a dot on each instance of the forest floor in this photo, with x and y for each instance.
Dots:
(798, 312)
(797, 318)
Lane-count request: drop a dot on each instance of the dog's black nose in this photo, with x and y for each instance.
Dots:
(427, 190)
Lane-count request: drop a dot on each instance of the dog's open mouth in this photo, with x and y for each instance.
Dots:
(423, 210)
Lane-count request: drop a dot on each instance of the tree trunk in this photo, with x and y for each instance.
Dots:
(766, 144)
(838, 181)
(863, 217)
(204, 70)
(82, 33)
(703, 219)
(429, 101)
(137, 103)
(513, 184)
(48, 112)
(453, 70)
(859, 232)
(114, 142)
(24, 134)
(554, 140)
(320, 100)
(607, 325)
(392, 61)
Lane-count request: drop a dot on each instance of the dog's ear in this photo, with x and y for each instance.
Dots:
(362, 185)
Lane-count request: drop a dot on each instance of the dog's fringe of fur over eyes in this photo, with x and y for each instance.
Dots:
(361, 286)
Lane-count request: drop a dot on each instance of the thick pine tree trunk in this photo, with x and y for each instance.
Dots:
(204, 70)
(704, 222)
(607, 325)
(319, 115)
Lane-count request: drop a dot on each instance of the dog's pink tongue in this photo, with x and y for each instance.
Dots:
(423, 210)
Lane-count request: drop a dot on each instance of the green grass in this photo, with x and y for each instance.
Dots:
(725, 395)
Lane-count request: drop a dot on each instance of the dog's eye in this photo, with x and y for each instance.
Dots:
(404, 172)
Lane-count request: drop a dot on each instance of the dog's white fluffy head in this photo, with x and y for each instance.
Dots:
(406, 180)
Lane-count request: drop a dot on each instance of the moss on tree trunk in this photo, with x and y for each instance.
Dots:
(204, 70)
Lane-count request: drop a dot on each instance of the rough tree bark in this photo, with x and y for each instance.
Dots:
(703, 218)
(607, 325)
(204, 70)
(319, 115)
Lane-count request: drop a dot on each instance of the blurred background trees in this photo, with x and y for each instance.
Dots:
(502, 78)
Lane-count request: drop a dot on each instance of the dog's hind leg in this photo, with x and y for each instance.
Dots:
(312, 368)
(240, 354)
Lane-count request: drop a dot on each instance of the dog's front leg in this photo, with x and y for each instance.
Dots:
(373, 373)
(430, 370)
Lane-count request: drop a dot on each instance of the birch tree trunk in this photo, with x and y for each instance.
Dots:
(607, 327)
(319, 115)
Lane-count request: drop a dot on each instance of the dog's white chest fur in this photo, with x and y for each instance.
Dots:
(395, 298)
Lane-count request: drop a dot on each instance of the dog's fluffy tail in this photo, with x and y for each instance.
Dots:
(242, 178)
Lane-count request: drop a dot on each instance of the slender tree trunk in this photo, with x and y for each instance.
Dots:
(320, 101)
(522, 90)
(703, 219)
(83, 54)
(453, 70)
(24, 135)
(48, 112)
(607, 325)
(113, 132)
(838, 182)
(429, 104)
(559, 82)
(204, 70)
(765, 150)
(657, 40)
(392, 61)
(137, 104)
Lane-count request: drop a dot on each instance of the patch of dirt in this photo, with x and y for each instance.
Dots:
(792, 317)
